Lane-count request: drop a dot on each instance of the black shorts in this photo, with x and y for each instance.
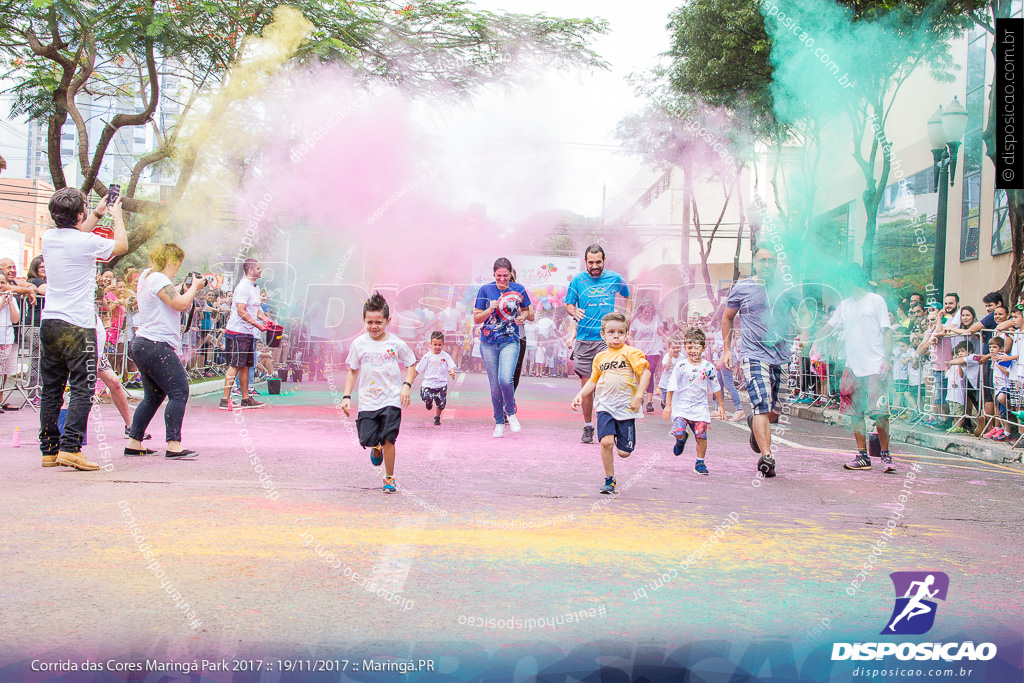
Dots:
(624, 431)
(239, 349)
(438, 396)
(378, 427)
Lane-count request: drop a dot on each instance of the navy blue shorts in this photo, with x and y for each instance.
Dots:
(624, 431)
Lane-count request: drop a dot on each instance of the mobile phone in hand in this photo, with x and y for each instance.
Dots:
(112, 193)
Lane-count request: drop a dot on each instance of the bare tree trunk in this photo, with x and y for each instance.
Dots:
(1011, 289)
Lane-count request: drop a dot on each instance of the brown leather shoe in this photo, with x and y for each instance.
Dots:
(76, 460)
(49, 461)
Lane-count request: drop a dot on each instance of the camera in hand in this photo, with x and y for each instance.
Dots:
(191, 276)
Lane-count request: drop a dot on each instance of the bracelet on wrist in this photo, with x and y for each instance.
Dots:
(348, 396)
(407, 384)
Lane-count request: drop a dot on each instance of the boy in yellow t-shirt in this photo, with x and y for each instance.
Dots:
(618, 373)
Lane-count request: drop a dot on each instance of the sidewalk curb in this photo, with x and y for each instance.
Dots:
(198, 389)
(954, 444)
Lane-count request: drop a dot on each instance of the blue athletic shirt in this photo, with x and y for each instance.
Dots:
(596, 296)
(500, 326)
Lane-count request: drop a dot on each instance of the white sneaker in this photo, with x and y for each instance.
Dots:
(499, 431)
(513, 423)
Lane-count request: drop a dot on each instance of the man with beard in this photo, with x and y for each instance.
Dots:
(591, 296)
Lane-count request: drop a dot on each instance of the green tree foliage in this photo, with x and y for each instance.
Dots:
(56, 50)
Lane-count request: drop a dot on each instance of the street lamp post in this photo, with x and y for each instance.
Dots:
(945, 129)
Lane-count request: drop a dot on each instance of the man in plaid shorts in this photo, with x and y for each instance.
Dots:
(765, 305)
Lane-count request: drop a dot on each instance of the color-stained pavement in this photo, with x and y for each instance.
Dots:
(482, 529)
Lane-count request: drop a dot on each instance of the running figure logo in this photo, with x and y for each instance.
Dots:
(915, 608)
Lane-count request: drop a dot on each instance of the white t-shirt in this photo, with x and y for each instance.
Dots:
(999, 378)
(646, 337)
(246, 292)
(317, 321)
(956, 391)
(1017, 371)
(973, 370)
(666, 372)
(9, 303)
(544, 327)
(157, 321)
(530, 328)
(101, 335)
(690, 384)
(434, 367)
(900, 370)
(380, 380)
(914, 375)
(70, 256)
(864, 322)
(449, 318)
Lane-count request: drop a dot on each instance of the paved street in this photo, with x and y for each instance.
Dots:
(483, 529)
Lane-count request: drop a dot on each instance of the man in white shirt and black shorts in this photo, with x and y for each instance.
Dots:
(239, 343)
(67, 331)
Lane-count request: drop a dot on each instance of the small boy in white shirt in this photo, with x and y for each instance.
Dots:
(900, 374)
(538, 368)
(374, 360)
(437, 367)
(691, 379)
(672, 356)
(956, 383)
(915, 375)
(563, 358)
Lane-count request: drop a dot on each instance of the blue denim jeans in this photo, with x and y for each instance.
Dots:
(725, 378)
(500, 362)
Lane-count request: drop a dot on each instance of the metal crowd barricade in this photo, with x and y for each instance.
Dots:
(27, 381)
(1007, 412)
(932, 408)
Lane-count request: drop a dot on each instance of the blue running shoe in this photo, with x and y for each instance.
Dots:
(389, 485)
(376, 456)
(680, 444)
(700, 467)
(609, 485)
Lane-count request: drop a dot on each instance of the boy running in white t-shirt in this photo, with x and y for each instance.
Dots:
(437, 367)
(373, 360)
(691, 379)
(672, 356)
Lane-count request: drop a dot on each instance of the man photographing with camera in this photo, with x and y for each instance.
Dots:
(67, 331)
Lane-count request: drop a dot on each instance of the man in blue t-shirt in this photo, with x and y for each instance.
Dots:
(590, 298)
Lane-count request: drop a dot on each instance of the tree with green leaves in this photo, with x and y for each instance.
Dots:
(57, 50)
(725, 52)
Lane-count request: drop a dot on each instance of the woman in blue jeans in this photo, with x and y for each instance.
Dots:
(155, 347)
(501, 306)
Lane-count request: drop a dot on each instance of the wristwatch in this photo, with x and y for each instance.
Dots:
(407, 384)
(348, 396)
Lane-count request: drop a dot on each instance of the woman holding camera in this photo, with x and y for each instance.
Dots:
(155, 347)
